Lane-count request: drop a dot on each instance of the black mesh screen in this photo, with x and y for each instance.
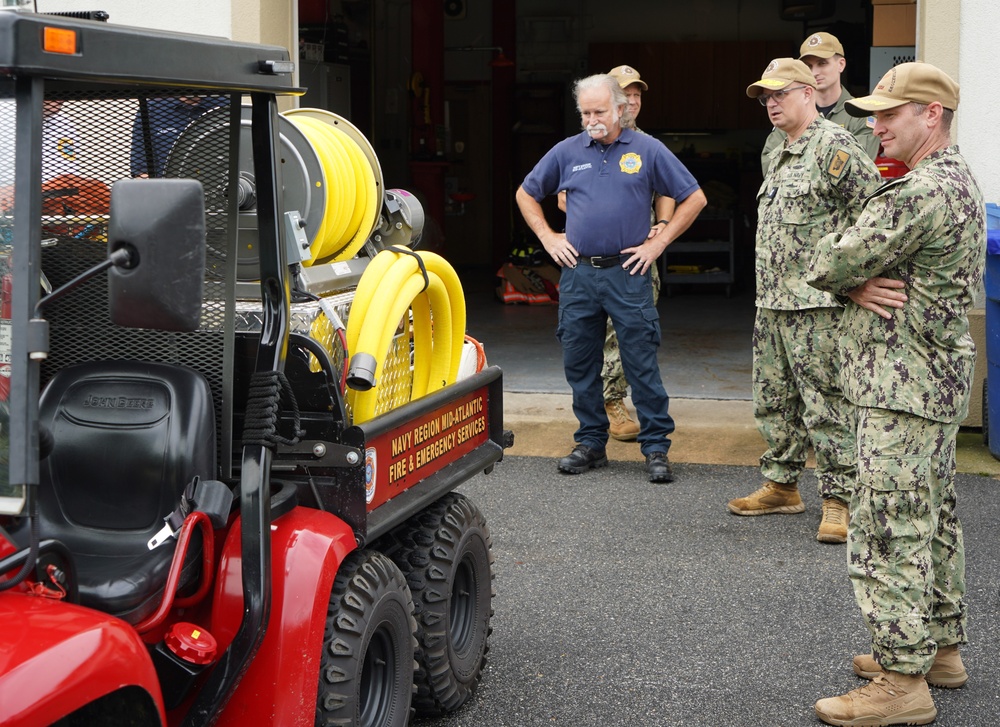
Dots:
(93, 138)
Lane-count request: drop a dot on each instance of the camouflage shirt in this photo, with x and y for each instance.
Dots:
(838, 115)
(927, 229)
(815, 186)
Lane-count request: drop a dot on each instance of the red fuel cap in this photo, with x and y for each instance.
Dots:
(191, 643)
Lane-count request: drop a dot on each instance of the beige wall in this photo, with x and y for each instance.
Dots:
(957, 36)
(246, 20)
(271, 22)
(938, 34)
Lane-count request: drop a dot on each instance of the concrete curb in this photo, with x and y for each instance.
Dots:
(709, 431)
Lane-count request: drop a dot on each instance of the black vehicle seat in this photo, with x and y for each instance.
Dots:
(127, 438)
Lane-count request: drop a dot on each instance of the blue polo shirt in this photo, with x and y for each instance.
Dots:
(168, 117)
(609, 187)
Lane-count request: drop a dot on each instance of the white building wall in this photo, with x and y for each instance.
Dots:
(271, 22)
(979, 105)
(189, 16)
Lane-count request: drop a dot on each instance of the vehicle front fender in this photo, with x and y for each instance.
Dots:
(56, 657)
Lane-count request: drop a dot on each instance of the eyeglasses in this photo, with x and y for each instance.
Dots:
(778, 96)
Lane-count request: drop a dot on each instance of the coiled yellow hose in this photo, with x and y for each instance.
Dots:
(351, 190)
(392, 290)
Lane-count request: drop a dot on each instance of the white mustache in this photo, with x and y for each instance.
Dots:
(597, 128)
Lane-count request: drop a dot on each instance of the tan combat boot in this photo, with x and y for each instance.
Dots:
(773, 498)
(621, 424)
(947, 671)
(833, 526)
(890, 698)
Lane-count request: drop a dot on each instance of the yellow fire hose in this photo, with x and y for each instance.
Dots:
(351, 191)
(403, 298)
(397, 287)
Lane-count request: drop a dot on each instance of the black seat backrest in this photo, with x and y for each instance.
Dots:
(127, 437)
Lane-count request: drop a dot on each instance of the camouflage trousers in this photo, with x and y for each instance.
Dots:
(906, 556)
(612, 373)
(797, 398)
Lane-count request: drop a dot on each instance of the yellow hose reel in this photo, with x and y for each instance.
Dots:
(405, 327)
(350, 181)
(406, 323)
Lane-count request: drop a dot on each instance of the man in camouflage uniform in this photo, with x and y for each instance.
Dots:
(910, 265)
(815, 186)
(824, 55)
(621, 424)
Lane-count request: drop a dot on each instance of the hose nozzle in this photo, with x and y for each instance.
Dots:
(361, 374)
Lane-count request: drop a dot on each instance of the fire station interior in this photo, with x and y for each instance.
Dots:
(460, 99)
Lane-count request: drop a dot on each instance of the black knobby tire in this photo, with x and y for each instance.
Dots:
(446, 553)
(366, 668)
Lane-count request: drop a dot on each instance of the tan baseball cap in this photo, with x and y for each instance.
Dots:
(821, 45)
(626, 76)
(907, 83)
(781, 72)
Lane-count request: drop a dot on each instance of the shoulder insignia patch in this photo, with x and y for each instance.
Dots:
(630, 163)
(839, 163)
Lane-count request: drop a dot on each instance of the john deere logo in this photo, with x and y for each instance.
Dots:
(118, 402)
(630, 163)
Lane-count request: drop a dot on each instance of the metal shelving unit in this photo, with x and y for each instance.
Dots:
(705, 246)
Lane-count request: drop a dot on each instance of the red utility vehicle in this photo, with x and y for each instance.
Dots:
(192, 530)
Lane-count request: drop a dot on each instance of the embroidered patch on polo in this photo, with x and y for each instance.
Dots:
(67, 149)
(630, 163)
(839, 163)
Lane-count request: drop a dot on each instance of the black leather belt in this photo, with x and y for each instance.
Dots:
(598, 261)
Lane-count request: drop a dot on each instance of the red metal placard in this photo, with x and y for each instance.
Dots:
(403, 456)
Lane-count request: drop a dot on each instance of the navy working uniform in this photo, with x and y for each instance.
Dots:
(607, 211)
(911, 379)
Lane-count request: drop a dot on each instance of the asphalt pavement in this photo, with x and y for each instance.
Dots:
(619, 602)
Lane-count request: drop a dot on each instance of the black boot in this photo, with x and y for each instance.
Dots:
(658, 467)
(581, 459)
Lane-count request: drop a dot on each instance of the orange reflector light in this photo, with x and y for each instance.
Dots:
(59, 40)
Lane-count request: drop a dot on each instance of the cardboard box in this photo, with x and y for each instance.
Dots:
(894, 24)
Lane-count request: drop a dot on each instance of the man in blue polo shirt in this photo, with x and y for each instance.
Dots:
(610, 174)
(154, 133)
